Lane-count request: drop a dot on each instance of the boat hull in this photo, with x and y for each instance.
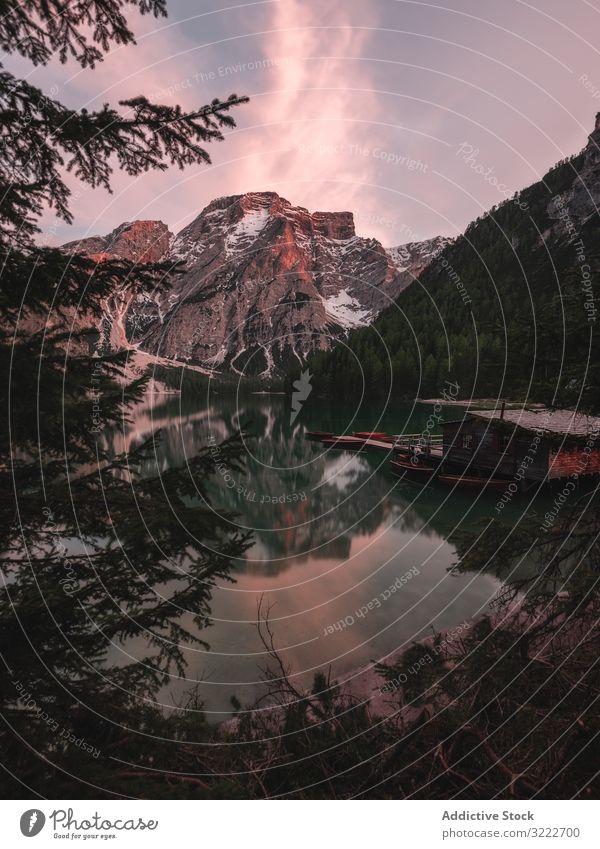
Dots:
(318, 434)
(473, 483)
(348, 443)
(372, 434)
(413, 472)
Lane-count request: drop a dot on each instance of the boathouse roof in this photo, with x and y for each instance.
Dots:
(567, 422)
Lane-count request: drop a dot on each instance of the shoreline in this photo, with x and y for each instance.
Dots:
(482, 403)
(370, 687)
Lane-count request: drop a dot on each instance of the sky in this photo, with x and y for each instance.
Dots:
(415, 116)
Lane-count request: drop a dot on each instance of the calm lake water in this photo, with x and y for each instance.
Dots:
(333, 530)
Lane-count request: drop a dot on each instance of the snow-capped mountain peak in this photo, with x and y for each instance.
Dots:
(265, 283)
(414, 257)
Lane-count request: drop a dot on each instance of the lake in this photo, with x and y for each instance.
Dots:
(353, 564)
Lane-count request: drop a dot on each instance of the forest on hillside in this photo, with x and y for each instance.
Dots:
(505, 310)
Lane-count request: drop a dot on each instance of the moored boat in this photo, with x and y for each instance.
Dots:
(413, 471)
(318, 434)
(371, 434)
(473, 482)
(347, 442)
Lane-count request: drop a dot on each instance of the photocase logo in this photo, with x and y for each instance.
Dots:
(302, 389)
(32, 822)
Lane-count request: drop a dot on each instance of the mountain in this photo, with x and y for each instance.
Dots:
(265, 284)
(507, 309)
(412, 258)
(138, 241)
(135, 241)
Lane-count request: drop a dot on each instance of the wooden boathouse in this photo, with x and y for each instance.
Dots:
(526, 445)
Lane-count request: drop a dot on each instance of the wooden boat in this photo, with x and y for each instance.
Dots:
(413, 471)
(472, 482)
(347, 442)
(372, 434)
(318, 434)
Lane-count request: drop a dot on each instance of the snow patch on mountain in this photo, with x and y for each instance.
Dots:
(247, 228)
(413, 257)
(346, 310)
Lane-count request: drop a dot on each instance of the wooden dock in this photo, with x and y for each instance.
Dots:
(381, 444)
(395, 442)
(355, 443)
(426, 455)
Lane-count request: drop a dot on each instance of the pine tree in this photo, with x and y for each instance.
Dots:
(94, 553)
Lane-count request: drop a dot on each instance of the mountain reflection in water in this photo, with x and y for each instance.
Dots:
(333, 530)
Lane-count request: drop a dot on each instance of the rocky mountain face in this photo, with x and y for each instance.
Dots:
(579, 202)
(413, 257)
(265, 283)
(138, 241)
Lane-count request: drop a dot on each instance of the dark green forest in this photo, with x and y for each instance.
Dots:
(502, 312)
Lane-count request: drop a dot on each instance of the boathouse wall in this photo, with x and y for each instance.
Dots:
(479, 445)
(573, 460)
